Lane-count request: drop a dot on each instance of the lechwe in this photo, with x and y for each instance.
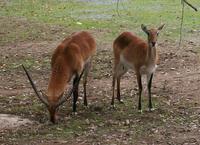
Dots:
(70, 59)
(132, 52)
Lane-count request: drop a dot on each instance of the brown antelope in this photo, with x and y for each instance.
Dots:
(132, 52)
(70, 59)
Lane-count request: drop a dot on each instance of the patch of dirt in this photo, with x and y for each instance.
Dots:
(9, 121)
(20, 29)
(175, 84)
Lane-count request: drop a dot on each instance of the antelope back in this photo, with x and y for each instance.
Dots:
(68, 59)
(131, 48)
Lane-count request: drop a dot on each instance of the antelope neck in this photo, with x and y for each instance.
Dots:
(151, 54)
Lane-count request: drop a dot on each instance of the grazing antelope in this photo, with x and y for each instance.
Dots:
(132, 52)
(71, 58)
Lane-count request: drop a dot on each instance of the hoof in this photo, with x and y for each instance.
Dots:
(112, 107)
(140, 111)
(151, 109)
(74, 113)
(121, 101)
(86, 106)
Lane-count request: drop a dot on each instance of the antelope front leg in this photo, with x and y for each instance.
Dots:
(118, 90)
(139, 80)
(113, 90)
(121, 72)
(75, 92)
(149, 80)
(87, 68)
(85, 95)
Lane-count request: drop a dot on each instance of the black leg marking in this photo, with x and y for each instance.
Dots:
(113, 90)
(85, 97)
(139, 80)
(75, 92)
(84, 89)
(118, 89)
(87, 68)
(149, 91)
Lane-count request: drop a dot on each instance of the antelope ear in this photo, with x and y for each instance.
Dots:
(144, 28)
(160, 28)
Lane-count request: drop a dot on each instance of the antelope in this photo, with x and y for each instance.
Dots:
(132, 52)
(71, 59)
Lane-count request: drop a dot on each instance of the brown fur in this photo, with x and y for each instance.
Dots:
(130, 51)
(133, 48)
(69, 58)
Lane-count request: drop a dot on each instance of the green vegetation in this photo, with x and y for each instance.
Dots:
(49, 21)
(80, 14)
(93, 123)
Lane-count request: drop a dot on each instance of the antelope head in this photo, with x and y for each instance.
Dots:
(152, 34)
(52, 106)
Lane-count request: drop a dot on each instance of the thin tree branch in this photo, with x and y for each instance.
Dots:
(118, 7)
(182, 17)
(181, 28)
(194, 8)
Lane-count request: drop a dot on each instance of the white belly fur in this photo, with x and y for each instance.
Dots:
(125, 63)
(149, 69)
(145, 69)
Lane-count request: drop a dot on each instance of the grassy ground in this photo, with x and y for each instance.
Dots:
(30, 31)
(76, 15)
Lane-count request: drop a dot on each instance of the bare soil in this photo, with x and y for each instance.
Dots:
(12, 122)
(175, 89)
